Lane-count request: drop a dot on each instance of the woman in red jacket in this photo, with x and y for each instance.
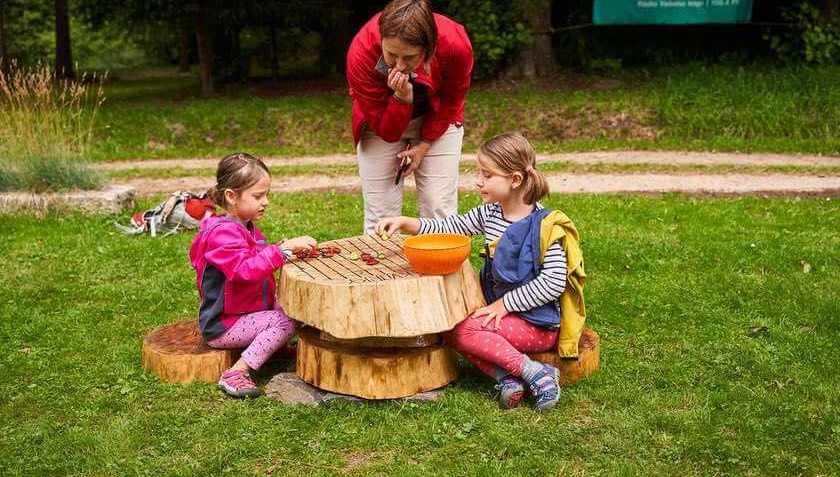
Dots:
(409, 71)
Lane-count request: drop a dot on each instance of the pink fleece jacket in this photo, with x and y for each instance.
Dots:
(234, 272)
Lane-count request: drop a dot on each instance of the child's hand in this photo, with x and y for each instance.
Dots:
(391, 225)
(494, 311)
(298, 243)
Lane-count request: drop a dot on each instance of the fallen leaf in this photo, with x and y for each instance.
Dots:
(756, 330)
(25, 350)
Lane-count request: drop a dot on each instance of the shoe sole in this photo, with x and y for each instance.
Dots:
(239, 394)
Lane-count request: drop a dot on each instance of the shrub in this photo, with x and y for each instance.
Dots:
(495, 31)
(811, 38)
(46, 130)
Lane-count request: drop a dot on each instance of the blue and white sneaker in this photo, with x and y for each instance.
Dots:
(546, 388)
(511, 389)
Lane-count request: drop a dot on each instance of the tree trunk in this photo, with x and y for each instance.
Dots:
(184, 52)
(3, 51)
(275, 61)
(536, 58)
(336, 36)
(830, 9)
(373, 373)
(63, 57)
(205, 56)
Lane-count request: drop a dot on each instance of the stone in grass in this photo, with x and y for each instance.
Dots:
(288, 388)
(112, 200)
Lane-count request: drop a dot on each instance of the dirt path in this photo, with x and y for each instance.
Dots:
(607, 157)
(691, 182)
(700, 184)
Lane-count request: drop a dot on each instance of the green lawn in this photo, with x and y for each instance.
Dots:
(675, 286)
(689, 107)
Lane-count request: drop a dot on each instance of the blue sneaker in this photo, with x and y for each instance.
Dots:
(546, 388)
(511, 390)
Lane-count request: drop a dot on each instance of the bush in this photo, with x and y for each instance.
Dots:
(812, 38)
(46, 130)
(494, 29)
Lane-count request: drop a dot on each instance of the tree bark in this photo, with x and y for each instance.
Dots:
(3, 52)
(536, 58)
(205, 56)
(63, 56)
(830, 9)
(336, 36)
(275, 61)
(184, 52)
(177, 354)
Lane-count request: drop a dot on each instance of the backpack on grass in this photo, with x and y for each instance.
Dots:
(181, 210)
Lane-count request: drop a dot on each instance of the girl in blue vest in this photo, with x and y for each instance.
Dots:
(523, 313)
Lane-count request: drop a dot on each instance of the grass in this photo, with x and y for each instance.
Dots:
(46, 127)
(726, 107)
(675, 286)
(336, 170)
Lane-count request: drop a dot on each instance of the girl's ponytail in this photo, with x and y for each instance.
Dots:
(535, 186)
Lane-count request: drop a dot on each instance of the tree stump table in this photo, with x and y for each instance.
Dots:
(374, 329)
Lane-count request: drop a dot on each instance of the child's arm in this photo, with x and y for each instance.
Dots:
(229, 251)
(391, 225)
(547, 286)
(470, 223)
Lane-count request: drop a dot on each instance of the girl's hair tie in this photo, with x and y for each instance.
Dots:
(529, 169)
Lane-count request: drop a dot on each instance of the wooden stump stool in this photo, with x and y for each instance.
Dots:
(373, 372)
(176, 353)
(573, 370)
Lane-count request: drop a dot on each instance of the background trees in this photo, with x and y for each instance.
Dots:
(240, 40)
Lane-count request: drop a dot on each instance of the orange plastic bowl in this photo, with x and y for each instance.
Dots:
(437, 254)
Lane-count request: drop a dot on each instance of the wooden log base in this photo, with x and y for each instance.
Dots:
(573, 370)
(373, 373)
(176, 353)
(383, 342)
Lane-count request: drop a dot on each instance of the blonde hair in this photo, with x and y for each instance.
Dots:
(511, 153)
(237, 171)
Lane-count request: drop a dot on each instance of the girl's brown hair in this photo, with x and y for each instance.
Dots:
(413, 22)
(510, 154)
(237, 171)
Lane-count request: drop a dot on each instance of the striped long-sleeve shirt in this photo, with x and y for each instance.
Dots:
(488, 219)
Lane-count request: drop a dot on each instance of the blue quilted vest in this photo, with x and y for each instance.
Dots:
(516, 261)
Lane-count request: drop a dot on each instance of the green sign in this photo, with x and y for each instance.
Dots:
(670, 12)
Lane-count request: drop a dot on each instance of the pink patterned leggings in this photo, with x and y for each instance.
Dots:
(489, 348)
(261, 334)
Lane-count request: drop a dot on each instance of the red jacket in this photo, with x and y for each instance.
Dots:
(234, 272)
(448, 81)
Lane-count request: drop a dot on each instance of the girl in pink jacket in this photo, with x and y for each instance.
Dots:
(234, 266)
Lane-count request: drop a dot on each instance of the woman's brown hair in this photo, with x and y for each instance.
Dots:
(512, 154)
(413, 22)
(237, 171)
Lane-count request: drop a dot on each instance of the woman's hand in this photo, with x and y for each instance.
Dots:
(306, 242)
(416, 154)
(494, 311)
(392, 225)
(399, 82)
